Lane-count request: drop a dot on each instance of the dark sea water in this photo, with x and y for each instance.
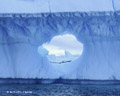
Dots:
(58, 90)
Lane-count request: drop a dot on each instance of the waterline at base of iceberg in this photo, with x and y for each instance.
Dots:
(58, 81)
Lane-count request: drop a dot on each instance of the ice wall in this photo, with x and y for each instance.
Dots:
(22, 34)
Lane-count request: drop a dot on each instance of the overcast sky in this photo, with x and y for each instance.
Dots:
(60, 43)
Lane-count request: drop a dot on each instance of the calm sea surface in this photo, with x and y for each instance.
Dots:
(58, 90)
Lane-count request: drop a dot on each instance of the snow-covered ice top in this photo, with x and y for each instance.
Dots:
(39, 6)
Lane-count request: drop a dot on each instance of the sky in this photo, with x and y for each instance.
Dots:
(59, 44)
(40, 6)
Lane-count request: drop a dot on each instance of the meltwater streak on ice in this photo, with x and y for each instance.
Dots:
(22, 34)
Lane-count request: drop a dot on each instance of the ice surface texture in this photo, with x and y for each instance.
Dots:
(22, 34)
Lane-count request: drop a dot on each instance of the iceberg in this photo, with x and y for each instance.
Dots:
(22, 34)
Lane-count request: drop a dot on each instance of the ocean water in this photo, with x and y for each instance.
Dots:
(58, 90)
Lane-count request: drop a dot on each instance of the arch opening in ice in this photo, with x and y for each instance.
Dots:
(63, 48)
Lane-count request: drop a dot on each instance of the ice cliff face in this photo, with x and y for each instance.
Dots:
(22, 34)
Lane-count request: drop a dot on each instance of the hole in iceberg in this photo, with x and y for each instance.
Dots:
(63, 49)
